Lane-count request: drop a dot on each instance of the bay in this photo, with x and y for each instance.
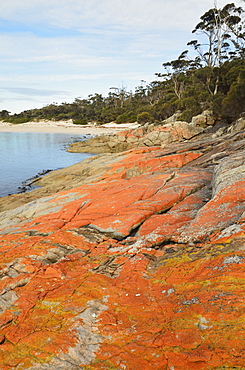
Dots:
(25, 155)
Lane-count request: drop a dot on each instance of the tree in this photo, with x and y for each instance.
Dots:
(211, 78)
(4, 113)
(177, 71)
(234, 103)
(224, 30)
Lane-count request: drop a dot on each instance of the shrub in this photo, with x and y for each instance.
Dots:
(190, 108)
(186, 115)
(17, 120)
(144, 117)
(122, 118)
(234, 102)
(127, 117)
(80, 121)
(132, 118)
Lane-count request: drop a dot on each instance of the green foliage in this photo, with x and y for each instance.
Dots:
(108, 114)
(234, 103)
(127, 117)
(17, 120)
(132, 118)
(186, 115)
(217, 103)
(4, 113)
(144, 117)
(80, 121)
(122, 118)
(190, 107)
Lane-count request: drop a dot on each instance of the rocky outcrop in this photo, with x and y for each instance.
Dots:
(148, 135)
(206, 118)
(137, 263)
(238, 125)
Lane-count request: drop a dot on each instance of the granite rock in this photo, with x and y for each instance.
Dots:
(148, 135)
(136, 262)
(206, 118)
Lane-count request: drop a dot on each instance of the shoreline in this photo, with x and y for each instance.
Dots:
(65, 127)
(60, 127)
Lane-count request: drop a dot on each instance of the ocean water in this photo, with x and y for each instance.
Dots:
(25, 155)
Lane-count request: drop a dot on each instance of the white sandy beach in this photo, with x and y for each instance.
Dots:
(65, 127)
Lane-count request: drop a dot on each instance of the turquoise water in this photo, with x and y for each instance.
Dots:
(24, 155)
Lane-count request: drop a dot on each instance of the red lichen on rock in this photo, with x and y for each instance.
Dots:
(143, 268)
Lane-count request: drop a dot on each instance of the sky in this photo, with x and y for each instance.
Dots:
(54, 51)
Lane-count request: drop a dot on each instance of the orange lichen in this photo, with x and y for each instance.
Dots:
(142, 271)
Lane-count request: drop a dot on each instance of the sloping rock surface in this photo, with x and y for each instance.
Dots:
(138, 263)
(148, 136)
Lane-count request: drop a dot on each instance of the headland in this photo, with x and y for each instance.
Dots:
(131, 259)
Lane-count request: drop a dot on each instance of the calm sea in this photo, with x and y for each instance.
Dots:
(25, 155)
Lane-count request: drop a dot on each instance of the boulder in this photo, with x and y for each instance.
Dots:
(238, 125)
(206, 118)
(173, 118)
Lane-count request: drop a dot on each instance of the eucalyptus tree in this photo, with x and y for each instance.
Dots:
(178, 70)
(224, 33)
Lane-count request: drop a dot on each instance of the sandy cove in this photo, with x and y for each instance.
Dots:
(65, 127)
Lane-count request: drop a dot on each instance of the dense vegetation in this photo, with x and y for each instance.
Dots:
(212, 78)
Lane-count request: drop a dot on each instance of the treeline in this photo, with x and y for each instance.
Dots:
(210, 74)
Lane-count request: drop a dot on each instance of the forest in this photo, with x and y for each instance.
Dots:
(208, 74)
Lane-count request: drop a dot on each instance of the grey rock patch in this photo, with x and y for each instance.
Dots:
(89, 341)
(191, 301)
(233, 259)
(230, 230)
(230, 170)
(7, 300)
(36, 208)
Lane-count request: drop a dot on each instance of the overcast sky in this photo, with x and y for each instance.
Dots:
(59, 50)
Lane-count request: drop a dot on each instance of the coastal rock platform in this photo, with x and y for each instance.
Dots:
(134, 260)
(147, 135)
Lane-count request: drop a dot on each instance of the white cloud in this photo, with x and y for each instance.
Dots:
(27, 91)
(136, 14)
(86, 46)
